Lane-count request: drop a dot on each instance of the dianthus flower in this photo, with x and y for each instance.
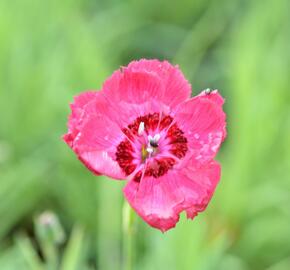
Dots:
(142, 126)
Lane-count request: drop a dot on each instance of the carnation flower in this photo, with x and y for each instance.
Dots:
(143, 127)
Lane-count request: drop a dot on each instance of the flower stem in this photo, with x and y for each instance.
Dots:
(128, 236)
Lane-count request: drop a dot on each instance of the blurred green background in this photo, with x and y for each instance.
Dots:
(52, 50)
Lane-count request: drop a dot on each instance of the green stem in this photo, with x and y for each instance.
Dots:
(128, 237)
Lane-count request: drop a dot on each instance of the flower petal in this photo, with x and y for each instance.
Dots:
(159, 201)
(101, 163)
(208, 176)
(93, 135)
(97, 133)
(203, 122)
(77, 113)
(133, 94)
(133, 87)
(177, 88)
(96, 145)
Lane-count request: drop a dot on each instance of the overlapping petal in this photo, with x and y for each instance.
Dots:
(152, 85)
(93, 135)
(77, 115)
(159, 201)
(204, 125)
(132, 94)
(177, 88)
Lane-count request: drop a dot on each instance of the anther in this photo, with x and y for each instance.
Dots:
(153, 141)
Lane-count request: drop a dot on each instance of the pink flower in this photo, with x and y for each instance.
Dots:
(144, 127)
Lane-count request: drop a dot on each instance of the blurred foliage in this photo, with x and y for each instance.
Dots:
(52, 50)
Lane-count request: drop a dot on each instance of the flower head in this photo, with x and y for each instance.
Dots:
(144, 127)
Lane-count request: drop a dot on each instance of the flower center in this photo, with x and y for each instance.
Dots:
(153, 146)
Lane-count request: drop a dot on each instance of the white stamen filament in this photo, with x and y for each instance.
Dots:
(141, 128)
(149, 149)
(156, 137)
